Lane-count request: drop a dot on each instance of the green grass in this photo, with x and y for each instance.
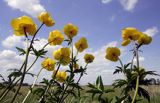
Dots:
(86, 98)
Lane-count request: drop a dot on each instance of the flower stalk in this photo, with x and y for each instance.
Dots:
(137, 79)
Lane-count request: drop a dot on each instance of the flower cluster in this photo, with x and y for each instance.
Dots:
(132, 34)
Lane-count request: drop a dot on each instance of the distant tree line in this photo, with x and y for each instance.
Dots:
(154, 81)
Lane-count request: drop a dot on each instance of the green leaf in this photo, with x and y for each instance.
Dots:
(75, 85)
(101, 83)
(40, 53)
(96, 91)
(108, 90)
(22, 51)
(91, 86)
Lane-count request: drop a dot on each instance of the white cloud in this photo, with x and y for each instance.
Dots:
(106, 1)
(100, 66)
(128, 5)
(141, 59)
(151, 31)
(12, 41)
(31, 7)
(9, 59)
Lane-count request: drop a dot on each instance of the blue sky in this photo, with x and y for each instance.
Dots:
(100, 21)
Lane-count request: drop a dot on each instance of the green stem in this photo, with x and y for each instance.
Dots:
(62, 99)
(48, 86)
(23, 75)
(32, 86)
(137, 80)
(136, 91)
(7, 89)
(26, 62)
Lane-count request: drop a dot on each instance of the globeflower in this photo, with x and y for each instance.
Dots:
(130, 33)
(126, 42)
(45, 18)
(55, 37)
(144, 39)
(48, 64)
(23, 25)
(81, 44)
(70, 30)
(112, 53)
(62, 55)
(60, 76)
(88, 58)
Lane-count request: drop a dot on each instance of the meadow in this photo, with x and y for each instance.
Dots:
(154, 91)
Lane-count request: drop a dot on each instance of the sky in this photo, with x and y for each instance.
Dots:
(100, 21)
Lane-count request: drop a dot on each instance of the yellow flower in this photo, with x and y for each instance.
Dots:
(126, 42)
(63, 55)
(88, 58)
(60, 76)
(45, 18)
(70, 30)
(130, 33)
(55, 37)
(23, 24)
(112, 53)
(81, 44)
(48, 64)
(144, 39)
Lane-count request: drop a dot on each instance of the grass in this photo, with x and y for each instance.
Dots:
(154, 91)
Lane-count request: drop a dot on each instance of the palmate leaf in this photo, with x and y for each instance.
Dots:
(150, 73)
(75, 85)
(108, 90)
(144, 93)
(92, 86)
(126, 65)
(22, 51)
(119, 83)
(38, 91)
(118, 70)
(2, 78)
(39, 53)
(70, 91)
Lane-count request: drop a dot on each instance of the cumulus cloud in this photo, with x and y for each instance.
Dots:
(141, 59)
(31, 7)
(106, 1)
(11, 59)
(151, 31)
(11, 41)
(128, 5)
